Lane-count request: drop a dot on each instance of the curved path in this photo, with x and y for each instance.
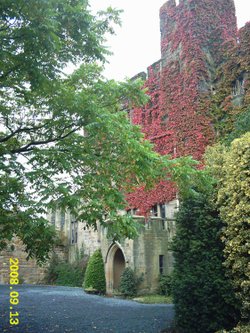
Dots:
(64, 309)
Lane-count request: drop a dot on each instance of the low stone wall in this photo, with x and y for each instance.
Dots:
(29, 271)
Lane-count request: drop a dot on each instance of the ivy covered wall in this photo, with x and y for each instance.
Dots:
(196, 36)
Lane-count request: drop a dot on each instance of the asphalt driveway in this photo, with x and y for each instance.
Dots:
(64, 309)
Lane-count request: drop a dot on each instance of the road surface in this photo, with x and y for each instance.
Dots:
(44, 309)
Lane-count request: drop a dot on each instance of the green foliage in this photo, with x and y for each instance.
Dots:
(38, 39)
(154, 299)
(45, 158)
(240, 328)
(129, 282)
(200, 287)
(69, 275)
(229, 106)
(241, 125)
(65, 273)
(166, 285)
(234, 206)
(95, 274)
(51, 273)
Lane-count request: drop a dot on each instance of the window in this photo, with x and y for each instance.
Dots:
(154, 211)
(162, 211)
(74, 231)
(238, 87)
(163, 224)
(131, 116)
(132, 211)
(161, 264)
(148, 224)
(62, 219)
(53, 218)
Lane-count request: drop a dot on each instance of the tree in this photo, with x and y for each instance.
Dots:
(203, 297)
(65, 140)
(234, 206)
(95, 275)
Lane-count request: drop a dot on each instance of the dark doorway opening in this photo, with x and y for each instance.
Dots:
(119, 266)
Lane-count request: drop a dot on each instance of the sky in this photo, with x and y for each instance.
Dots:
(136, 44)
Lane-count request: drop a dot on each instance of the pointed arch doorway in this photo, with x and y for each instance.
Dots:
(115, 265)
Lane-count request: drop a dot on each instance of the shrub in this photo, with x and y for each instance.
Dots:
(65, 273)
(200, 286)
(240, 328)
(51, 272)
(70, 275)
(230, 166)
(233, 201)
(95, 274)
(165, 285)
(129, 282)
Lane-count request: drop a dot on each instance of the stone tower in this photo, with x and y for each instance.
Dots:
(195, 35)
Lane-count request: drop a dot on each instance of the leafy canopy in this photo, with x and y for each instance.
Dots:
(65, 140)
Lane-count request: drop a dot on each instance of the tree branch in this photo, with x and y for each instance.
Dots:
(30, 146)
(20, 130)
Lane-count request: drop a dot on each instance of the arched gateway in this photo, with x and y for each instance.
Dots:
(114, 266)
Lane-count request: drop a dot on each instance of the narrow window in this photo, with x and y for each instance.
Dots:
(62, 219)
(154, 211)
(238, 87)
(131, 116)
(162, 211)
(161, 264)
(74, 231)
(148, 224)
(163, 224)
(53, 218)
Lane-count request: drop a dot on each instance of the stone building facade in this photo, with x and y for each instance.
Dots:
(194, 39)
(148, 255)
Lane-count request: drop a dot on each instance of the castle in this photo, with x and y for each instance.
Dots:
(176, 119)
(195, 36)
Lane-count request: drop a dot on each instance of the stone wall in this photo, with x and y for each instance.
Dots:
(29, 271)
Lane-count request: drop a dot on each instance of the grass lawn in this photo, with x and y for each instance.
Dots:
(154, 299)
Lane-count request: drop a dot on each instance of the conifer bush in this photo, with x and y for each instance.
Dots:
(129, 282)
(203, 296)
(94, 280)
